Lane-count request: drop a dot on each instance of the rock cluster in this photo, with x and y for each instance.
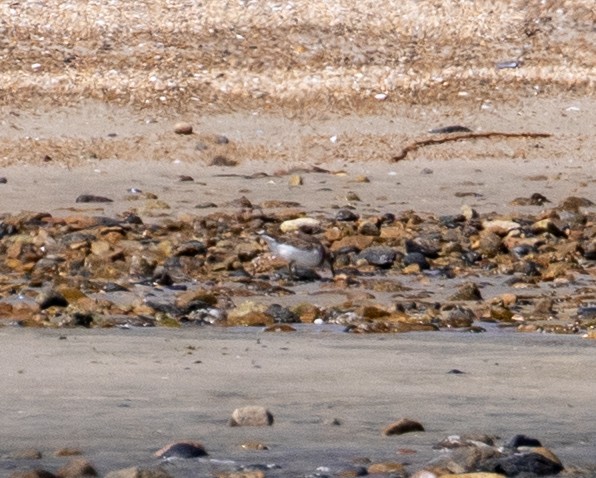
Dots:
(464, 456)
(93, 271)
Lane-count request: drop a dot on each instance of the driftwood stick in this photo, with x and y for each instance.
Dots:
(459, 137)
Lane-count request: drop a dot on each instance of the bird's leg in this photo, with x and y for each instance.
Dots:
(291, 265)
(330, 261)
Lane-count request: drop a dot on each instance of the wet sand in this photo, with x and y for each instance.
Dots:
(119, 395)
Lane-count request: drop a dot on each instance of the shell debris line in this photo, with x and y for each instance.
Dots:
(226, 54)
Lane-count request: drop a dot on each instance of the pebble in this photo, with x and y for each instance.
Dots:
(466, 292)
(255, 416)
(223, 161)
(139, 472)
(183, 128)
(90, 198)
(37, 473)
(295, 180)
(183, 450)
(221, 139)
(379, 256)
(418, 259)
(292, 225)
(26, 454)
(51, 298)
(346, 215)
(77, 468)
(404, 425)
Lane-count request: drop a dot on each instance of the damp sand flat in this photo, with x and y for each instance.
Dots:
(119, 395)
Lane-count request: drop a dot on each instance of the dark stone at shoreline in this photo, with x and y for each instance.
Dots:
(523, 440)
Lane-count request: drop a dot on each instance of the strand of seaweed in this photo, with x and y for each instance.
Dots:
(460, 137)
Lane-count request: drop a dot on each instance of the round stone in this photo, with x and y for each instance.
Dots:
(183, 128)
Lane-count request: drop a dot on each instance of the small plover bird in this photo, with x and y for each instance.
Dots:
(299, 249)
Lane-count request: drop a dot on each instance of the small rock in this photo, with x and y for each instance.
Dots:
(500, 313)
(77, 468)
(255, 416)
(467, 291)
(531, 463)
(282, 315)
(32, 474)
(26, 454)
(368, 228)
(240, 474)
(51, 298)
(3, 180)
(346, 215)
(68, 452)
(573, 203)
(295, 180)
(459, 317)
(254, 445)
(385, 468)
(418, 259)
(221, 139)
(381, 256)
(489, 244)
(139, 472)
(351, 472)
(223, 161)
(499, 226)
(189, 449)
(190, 248)
(300, 223)
(523, 440)
(86, 198)
(352, 196)
(405, 425)
(468, 212)
(183, 178)
(183, 128)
